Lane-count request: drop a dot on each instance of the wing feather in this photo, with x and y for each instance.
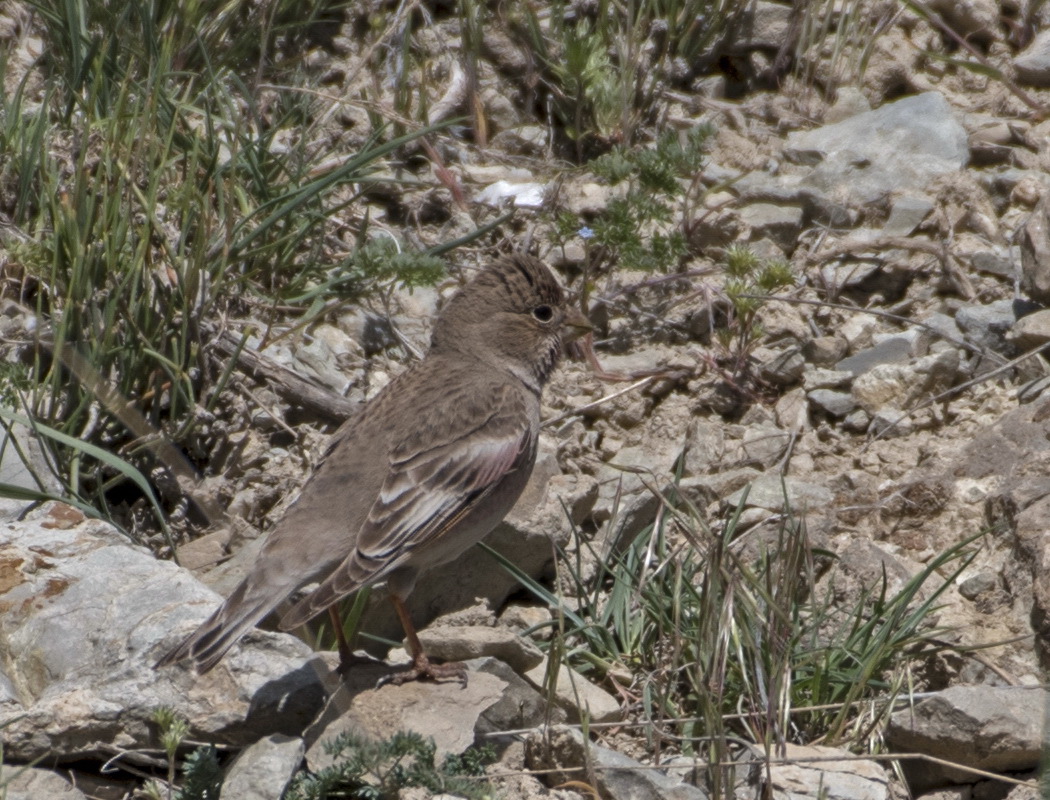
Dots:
(427, 491)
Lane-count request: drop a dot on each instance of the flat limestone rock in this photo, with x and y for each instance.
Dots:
(86, 614)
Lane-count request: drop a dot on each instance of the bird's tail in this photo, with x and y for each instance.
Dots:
(206, 646)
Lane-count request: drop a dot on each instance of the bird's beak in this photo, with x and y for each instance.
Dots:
(575, 325)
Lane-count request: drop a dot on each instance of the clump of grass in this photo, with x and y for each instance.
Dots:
(155, 203)
(603, 67)
(727, 635)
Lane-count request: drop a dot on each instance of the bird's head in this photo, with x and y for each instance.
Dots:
(514, 315)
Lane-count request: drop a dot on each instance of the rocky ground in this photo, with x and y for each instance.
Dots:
(895, 397)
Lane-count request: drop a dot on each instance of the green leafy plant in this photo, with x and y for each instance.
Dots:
(378, 770)
(201, 775)
(748, 279)
(639, 228)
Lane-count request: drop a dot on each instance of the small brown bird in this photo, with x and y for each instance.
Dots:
(428, 468)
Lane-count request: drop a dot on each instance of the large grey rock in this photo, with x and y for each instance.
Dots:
(521, 706)
(614, 775)
(826, 772)
(994, 728)
(898, 147)
(86, 614)
(263, 770)
(453, 715)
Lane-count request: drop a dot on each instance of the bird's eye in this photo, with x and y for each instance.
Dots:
(543, 313)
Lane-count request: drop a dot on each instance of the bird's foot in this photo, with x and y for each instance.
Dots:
(422, 669)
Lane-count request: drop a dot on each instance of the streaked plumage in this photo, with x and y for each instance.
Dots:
(426, 470)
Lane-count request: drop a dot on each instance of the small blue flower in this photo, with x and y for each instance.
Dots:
(585, 233)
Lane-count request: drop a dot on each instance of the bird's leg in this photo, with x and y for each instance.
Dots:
(421, 666)
(346, 656)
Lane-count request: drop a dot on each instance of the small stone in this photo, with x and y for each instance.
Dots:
(775, 493)
(889, 422)
(562, 752)
(1028, 191)
(974, 20)
(792, 410)
(523, 140)
(943, 326)
(857, 422)
(848, 274)
(522, 618)
(987, 325)
(837, 404)
(825, 351)
(899, 348)
(576, 694)
(814, 771)
(463, 643)
(992, 259)
(849, 101)
(1035, 251)
(781, 224)
(906, 214)
(205, 551)
(761, 26)
(1031, 331)
(978, 584)
(785, 369)
(1033, 63)
(826, 379)
(857, 330)
(1033, 389)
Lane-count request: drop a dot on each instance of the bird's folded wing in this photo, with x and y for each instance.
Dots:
(427, 491)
